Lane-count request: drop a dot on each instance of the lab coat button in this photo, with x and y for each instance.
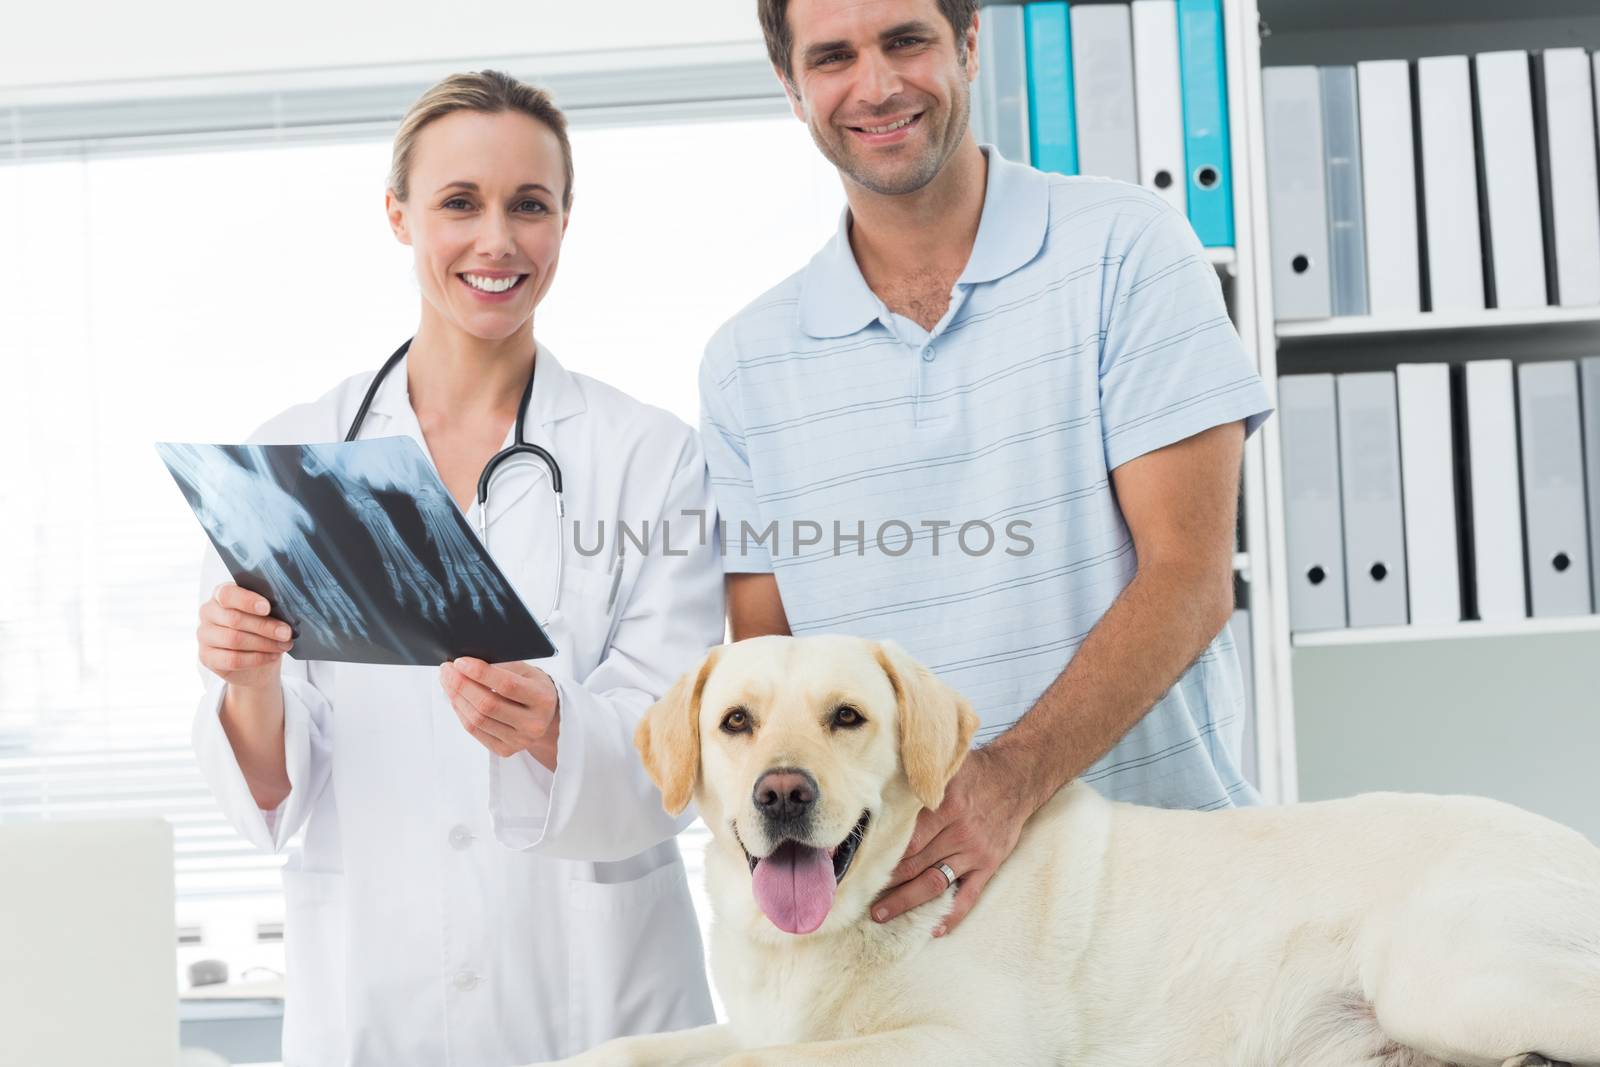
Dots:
(927, 354)
(460, 837)
(466, 981)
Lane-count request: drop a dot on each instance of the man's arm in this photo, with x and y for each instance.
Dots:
(754, 606)
(1179, 503)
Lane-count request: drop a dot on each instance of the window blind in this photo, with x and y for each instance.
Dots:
(192, 294)
(646, 86)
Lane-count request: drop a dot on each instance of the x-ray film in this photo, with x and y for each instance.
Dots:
(360, 549)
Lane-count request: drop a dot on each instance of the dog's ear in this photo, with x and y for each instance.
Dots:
(668, 737)
(936, 724)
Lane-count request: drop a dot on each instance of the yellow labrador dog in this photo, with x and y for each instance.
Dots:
(1384, 930)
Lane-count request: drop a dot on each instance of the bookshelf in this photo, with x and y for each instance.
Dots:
(1304, 682)
(1238, 269)
(1461, 707)
(1437, 322)
(1225, 260)
(1458, 631)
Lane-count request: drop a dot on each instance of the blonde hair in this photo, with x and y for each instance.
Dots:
(489, 92)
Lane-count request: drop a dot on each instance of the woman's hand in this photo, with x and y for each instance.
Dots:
(244, 646)
(508, 707)
(239, 641)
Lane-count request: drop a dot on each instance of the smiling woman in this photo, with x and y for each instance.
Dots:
(215, 286)
(98, 585)
(481, 825)
(481, 187)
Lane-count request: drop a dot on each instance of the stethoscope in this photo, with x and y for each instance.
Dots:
(518, 447)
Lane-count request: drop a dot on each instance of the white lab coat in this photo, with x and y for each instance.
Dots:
(450, 908)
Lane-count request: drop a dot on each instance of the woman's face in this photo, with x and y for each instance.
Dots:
(484, 217)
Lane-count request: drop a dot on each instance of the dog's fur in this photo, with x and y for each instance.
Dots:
(1386, 930)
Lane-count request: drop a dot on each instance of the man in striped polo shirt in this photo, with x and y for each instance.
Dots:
(999, 418)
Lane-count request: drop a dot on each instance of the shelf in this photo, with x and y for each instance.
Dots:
(1379, 635)
(1437, 322)
(1319, 16)
(1226, 260)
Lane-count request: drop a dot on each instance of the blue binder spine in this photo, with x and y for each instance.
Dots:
(1050, 102)
(1202, 63)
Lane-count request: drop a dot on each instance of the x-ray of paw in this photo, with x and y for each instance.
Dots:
(360, 549)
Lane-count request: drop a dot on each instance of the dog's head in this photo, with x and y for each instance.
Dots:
(809, 759)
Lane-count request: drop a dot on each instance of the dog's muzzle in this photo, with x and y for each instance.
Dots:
(785, 798)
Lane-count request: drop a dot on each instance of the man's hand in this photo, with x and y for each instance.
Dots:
(974, 831)
(508, 707)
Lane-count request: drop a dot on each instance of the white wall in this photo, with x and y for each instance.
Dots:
(1515, 718)
(67, 42)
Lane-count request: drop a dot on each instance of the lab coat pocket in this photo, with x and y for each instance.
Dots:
(314, 953)
(582, 626)
(635, 958)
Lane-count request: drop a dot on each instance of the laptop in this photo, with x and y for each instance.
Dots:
(88, 945)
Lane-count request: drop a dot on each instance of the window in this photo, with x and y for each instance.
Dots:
(192, 295)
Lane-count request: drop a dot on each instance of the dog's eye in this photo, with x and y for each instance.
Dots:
(736, 721)
(846, 717)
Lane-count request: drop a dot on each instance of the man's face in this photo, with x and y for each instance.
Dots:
(883, 85)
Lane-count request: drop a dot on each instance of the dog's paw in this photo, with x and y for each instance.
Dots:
(1533, 1059)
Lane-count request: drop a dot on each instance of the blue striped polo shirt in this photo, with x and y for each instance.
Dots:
(950, 489)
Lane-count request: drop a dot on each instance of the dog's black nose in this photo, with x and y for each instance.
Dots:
(785, 794)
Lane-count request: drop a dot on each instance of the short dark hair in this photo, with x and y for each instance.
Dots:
(774, 15)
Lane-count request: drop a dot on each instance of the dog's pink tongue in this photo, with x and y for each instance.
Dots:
(794, 887)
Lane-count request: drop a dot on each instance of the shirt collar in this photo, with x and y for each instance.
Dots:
(556, 395)
(835, 300)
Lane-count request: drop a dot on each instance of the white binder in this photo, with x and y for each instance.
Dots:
(1102, 82)
(1589, 371)
(1003, 62)
(1311, 491)
(1158, 99)
(1495, 507)
(1239, 626)
(1297, 197)
(1369, 478)
(1510, 180)
(1552, 488)
(1428, 488)
(1449, 184)
(1389, 187)
(980, 116)
(1565, 125)
(1347, 229)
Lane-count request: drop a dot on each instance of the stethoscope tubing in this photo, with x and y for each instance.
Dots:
(519, 447)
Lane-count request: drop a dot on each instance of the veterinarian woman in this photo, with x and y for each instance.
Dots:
(487, 876)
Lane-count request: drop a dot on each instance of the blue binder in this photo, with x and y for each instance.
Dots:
(1051, 108)
(1205, 121)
